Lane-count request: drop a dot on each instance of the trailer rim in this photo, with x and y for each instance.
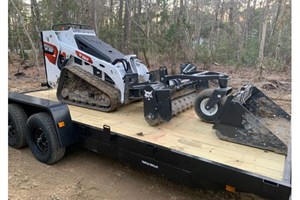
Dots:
(16, 126)
(12, 132)
(39, 140)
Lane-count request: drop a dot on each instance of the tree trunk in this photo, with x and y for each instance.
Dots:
(277, 16)
(222, 11)
(147, 18)
(28, 37)
(198, 26)
(63, 11)
(177, 37)
(120, 22)
(111, 9)
(231, 16)
(248, 18)
(36, 23)
(53, 11)
(278, 25)
(262, 40)
(86, 7)
(127, 27)
(139, 13)
(174, 11)
(216, 23)
(35, 12)
(93, 14)
(252, 16)
(21, 50)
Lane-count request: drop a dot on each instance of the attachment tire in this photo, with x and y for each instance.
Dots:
(16, 126)
(201, 100)
(42, 138)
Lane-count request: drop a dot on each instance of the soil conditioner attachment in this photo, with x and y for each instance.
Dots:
(89, 73)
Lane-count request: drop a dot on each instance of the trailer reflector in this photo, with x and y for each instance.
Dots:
(61, 124)
(229, 188)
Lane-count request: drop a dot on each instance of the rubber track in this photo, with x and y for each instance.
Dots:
(91, 81)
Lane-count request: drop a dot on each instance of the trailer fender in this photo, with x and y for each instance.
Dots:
(59, 113)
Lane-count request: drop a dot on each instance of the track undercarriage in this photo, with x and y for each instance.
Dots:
(80, 88)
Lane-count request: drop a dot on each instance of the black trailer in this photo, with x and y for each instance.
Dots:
(184, 150)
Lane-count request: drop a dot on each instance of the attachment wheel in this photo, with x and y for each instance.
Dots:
(207, 115)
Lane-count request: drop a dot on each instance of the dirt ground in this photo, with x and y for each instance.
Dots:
(85, 175)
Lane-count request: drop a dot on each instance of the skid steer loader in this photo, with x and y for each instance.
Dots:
(88, 72)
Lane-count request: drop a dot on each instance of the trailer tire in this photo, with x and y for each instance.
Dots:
(201, 100)
(42, 138)
(16, 126)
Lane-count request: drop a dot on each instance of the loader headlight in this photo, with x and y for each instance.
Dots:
(48, 49)
(50, 52)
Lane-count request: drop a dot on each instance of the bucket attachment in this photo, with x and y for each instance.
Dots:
(250, 118)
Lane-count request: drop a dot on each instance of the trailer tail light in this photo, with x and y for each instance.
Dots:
(229, 188)
(61, 124)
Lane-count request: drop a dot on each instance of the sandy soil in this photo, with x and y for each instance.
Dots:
(85, 175)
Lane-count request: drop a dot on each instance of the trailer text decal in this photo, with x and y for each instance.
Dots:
(149, 164)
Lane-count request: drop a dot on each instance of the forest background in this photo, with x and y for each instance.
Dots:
(240, 33)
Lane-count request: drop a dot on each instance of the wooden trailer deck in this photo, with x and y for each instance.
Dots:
(185, 133)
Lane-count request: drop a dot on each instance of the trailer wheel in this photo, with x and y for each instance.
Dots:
(42, 138)
(16, 126)
(201, 101)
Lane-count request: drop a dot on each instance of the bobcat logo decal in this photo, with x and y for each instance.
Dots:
(148, 95)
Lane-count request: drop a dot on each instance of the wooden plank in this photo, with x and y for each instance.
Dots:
(184, 133)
